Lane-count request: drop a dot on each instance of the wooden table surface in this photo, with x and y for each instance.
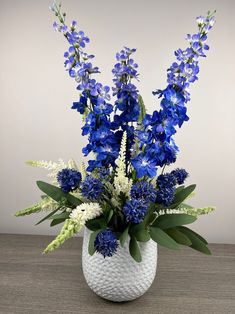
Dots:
(186, 282)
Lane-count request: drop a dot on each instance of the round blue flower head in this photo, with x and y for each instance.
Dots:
(92, 188)
(106, 243)
(144, 191)
(69, 179)
(166, 188)
(167, 180)
(165, 196)
(180, 175)
(135, 210)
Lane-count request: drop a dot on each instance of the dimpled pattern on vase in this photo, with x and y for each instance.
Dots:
(119, 278)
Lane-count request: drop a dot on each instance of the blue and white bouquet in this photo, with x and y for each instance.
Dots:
(124, 192)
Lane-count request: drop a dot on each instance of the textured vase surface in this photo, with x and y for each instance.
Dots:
(119, 278)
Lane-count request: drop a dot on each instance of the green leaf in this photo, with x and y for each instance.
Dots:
(91, 246)
(110, 215)
(150, 217)
(194, 233)
(57, 222)
(142, 110)
(48, 216)
(140, 233)
(168, 221)
(184, 205)
(96, 224)
(57, 194)
(135, 250)
(197, 243)
(63, 215)
(181, 195)
(178, 236)
(162, 238)
(179, 188)
(124, 236)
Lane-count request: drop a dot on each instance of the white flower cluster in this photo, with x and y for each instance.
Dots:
(85, 212)
(53, 167)
(121, 182)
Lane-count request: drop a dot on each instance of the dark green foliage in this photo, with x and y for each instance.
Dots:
(91, 246)
(197, 243)
(173, 220)
(123, 237)
(135, 250)
(140, 232)
(178, 236)
(162, 238)
(58, 195)
(96, 223)
(182, 194)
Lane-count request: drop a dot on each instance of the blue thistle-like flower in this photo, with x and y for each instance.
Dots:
(166, 188)
(69, 179)
(92, 188)
(180, 175)
(144, 191)
(106, 243)
(167, 180)
(135, 210)
(165, 196)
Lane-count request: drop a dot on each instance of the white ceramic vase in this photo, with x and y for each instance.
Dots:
(119, 278)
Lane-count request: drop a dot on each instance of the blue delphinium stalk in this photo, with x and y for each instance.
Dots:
(135, 210)
(69, 179)
(144, 191)
(156, 136)
(126, 106)
(92, 188)
(125, 91)
(106, 243)
(94, 97)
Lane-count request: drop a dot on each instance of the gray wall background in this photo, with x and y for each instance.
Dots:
(36, 94)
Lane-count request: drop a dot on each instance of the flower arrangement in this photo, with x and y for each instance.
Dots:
(124, 192)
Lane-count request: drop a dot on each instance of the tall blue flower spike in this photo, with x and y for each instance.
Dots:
(156, 137)
(94, 98)
(105, 124)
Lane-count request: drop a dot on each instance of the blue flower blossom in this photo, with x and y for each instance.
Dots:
(135, 210)
(180, 175)
(106, 243)
(92, 188)
(90, 124)
(165, 189)
(156, 146)
(80, 105)
(69, 179)
(167, 180)
(145, 165)
(144, 191)
(165, 196)
(164, 151)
